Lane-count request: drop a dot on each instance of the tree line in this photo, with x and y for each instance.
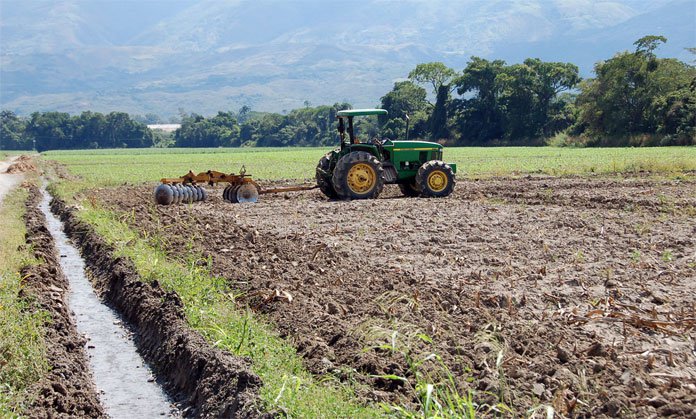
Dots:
(309, 126)
(635, 99)
(59, 130)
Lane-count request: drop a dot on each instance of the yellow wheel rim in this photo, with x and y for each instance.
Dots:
(437, 181)
(361, 178)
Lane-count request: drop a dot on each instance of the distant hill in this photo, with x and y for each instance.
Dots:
(160, 56)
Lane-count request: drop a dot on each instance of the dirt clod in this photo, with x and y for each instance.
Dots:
(21, 164)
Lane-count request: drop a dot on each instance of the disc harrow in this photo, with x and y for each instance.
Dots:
(167, 194)
(186, 189)
(240, 188)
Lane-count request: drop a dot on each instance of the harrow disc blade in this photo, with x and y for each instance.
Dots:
(199, 193)
(164, 195)
(177, 194)
(232, 194)
(247, 193)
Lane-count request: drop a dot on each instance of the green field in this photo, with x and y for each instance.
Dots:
(114, 167)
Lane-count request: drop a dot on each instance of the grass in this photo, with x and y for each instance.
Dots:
(428, 380)
(211, 308)
(22, 348)
(10, 153)
(114, 167)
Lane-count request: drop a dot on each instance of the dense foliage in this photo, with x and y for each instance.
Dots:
(639, 99)
(301, 127)
(511, 104)
(634, 99)
(58, 130)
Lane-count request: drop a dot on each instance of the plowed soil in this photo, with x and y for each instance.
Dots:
(572, 292)
(21, 164)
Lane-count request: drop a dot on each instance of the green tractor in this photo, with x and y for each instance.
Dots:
(359, 170)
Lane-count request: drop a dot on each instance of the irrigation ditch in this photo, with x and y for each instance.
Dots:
(124, 381)
(67, 389)
(200, 380)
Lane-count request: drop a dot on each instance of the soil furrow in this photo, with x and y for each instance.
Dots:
(210, 382)
(67, 390)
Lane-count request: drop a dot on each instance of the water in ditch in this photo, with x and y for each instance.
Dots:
(125, 383)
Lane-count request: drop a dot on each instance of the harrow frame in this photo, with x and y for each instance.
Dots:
(241, 187)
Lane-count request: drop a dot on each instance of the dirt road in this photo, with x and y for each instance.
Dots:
(572, 292)
(7, 181)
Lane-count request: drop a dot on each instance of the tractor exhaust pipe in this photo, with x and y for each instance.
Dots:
(407, 123)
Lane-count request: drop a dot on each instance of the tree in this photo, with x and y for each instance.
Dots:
(50, 130)
(647, 44)
(636, 94)
(550, 80)
(440, 77)
(436, 74)
(222, 130)
(479, 115)
(437, 126)
(89, 130)
(512, 104)
(406, 98)
(244, 114)
(12, 132)
(121, 131)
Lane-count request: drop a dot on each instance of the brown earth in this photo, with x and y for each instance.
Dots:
(21, 164)
(572, 292)
(67, 390)
(207, 381)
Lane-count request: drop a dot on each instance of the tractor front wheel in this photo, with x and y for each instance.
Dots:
(435, 179)
(358, 175)
(324, 177)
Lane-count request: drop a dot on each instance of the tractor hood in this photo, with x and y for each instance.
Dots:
(412, 145)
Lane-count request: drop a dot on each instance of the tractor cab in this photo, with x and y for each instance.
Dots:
(346, 129)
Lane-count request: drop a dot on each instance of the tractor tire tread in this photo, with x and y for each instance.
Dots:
(324, 182)
(339, 180)
(422, 179)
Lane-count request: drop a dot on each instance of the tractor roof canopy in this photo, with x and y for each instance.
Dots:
(361, 112)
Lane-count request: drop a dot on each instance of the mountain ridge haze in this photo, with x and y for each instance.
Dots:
(161, 56)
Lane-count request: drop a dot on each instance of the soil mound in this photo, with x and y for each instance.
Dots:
(67, 390)
(22, 164)
(211, 382)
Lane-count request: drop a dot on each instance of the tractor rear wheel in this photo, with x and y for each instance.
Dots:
(409, 189)
(324, 181)
(358, 175)
(435, 179)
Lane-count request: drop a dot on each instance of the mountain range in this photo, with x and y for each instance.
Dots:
(164, 56)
